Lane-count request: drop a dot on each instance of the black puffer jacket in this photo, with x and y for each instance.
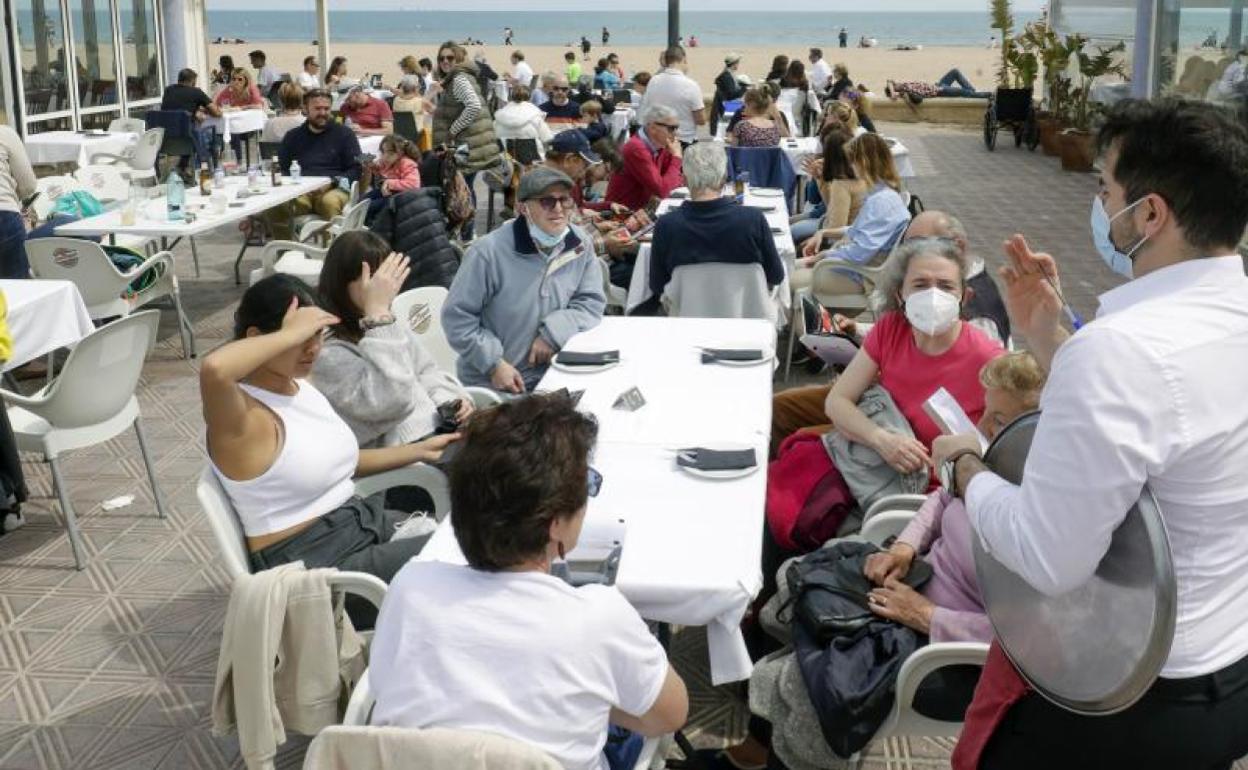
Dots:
(412, 222)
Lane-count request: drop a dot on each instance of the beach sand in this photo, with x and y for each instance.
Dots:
(871, 66)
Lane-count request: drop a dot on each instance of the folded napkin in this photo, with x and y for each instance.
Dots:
(711, 355)
(578, 358)
(705, 459)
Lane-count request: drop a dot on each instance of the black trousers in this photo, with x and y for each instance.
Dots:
(1199, 723)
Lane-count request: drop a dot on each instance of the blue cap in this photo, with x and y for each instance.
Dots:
(573, 140)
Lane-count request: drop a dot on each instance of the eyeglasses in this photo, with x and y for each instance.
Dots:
(561, 89)
(549, 202)
(595, 482)
(446, 58)
(668, 126)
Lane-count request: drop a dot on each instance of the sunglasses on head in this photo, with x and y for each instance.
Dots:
(595, 482)
(549, 202)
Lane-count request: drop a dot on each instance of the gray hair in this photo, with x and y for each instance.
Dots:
(888, 290)
(705, 166)
(409, 83)
(658, 113)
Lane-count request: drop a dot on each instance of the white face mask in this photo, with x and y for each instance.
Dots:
(932, 311)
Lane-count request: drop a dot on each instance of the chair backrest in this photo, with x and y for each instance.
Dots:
(83, 263)
(405, 126)
(51, 188)
(768, 167)
(269, 149)
(720, 290)
(106, 183)
(177, 123)
(421, 310)
(353, 747)
(353, 217)
(148, 149)
(225, 524)
(525, 151)
(133, 125)
(100, 375)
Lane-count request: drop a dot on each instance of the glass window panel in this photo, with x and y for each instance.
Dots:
(139, 45)
(41, 41)
(52, 124)
(1196, 51)
(99, 119)
(93, 50)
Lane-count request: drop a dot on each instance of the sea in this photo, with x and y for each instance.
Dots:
(785, 30)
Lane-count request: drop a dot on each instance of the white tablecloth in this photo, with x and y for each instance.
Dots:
(43, 315)
(73, 147)
(778, 219)
(620, 121)
(797, 148)
(153, 222)
(692, 547)
(240, 122)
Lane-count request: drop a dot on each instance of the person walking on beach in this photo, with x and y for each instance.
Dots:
(844, 38)
(585, 48)
(606, 35)
(507, 35)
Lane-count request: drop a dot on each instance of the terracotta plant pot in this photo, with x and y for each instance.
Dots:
(1050, 127)
(1078, 150)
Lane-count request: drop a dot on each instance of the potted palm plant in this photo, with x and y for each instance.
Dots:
(1053, 57)
(1077, 146)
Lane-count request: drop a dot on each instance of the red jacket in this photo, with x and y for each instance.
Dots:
(643, 176)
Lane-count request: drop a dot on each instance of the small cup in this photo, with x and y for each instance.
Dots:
(219, 202)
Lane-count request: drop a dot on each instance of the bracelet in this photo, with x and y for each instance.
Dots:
(951, 462)
(368, 322)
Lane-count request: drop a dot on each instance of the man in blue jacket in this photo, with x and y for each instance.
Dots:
(524, 290)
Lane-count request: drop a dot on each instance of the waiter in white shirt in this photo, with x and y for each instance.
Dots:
(1155, 391)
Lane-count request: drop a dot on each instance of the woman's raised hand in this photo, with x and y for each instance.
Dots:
(303, 322)
(380, 288)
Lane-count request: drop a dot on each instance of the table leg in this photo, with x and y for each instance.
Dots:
(246, 242)
(194, 255)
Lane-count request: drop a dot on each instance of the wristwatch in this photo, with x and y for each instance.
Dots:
(374, 322)
(949, 470)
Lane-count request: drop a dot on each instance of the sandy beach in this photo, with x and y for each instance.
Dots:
(871, 66)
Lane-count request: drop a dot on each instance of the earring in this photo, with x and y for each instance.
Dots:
(559, 548)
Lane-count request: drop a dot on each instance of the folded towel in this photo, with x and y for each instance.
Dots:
(704, 459)
(578, 358)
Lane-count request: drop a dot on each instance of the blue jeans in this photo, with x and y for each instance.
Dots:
(954, 83)
(622, 749)
(13, 263)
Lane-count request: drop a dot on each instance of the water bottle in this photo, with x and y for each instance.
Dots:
(218, 178)
(176, 197)
(296, 172)
(253, 177)
(344, 184)
(228, 161)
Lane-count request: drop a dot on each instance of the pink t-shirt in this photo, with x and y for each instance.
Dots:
(371, 115)
(911, 376)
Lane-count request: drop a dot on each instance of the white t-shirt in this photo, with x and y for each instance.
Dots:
(820, 73)
(522, 73)
(520, 654)
(266, 76)
(675, 89)
(307, 80)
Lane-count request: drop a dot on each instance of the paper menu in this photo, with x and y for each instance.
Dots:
(948, 415)
(834, 349)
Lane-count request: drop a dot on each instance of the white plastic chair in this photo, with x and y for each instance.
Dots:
(51, 188)
(105, 290)
(360, 710)
(106, 182)
(301, 260)
(421, 310)
(91, 401)
(351, 218)
(617, 297)
(229, 530)
(888, 517)
(131, 125)
(720, 290)
(140, 161)
(311, 226)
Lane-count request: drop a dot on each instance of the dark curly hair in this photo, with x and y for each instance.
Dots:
(523, 464)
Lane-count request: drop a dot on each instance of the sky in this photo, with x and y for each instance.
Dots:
(830, 6)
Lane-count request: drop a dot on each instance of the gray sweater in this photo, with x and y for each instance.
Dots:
(507, 292)
(386, 387)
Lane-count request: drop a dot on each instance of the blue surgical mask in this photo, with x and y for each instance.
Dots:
(1101, 222)
(544, 240)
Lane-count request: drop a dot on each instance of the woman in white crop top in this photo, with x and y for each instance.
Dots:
(283, 456)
